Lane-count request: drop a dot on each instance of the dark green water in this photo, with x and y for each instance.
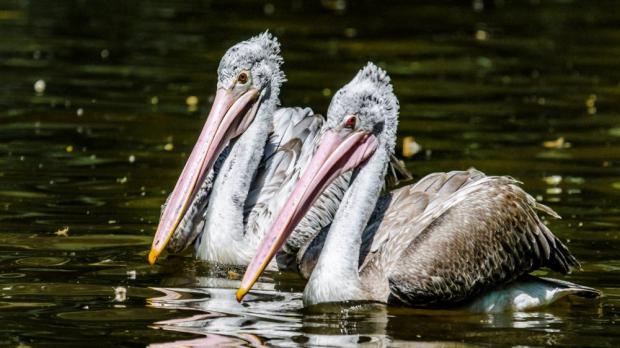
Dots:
(97, 151)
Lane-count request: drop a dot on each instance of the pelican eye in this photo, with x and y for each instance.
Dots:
(243, 78)
(350, 122)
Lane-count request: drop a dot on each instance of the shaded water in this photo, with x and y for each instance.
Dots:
(93, 154)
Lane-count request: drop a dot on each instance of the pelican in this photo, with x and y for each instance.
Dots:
(244, 164)
(451, 239)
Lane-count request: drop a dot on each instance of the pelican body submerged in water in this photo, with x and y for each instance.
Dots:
(243, 166)
(451, 239)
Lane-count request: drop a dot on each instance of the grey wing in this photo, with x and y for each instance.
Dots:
(405, 206)
(293, 128)
(474, 233)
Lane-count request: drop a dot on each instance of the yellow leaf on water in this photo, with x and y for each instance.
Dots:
(64, 232)
(233, 275)
(558, 143)
(192, 100)
(410, 146)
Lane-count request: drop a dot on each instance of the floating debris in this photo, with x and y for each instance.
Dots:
(63, 232)
(79, 112)
(191, 101)
(232, 275)
(105, 53)
(410, 146)
(69, 148)
(132, 274)
(132, 158)
(154, 100)
(111, 222)
(39, 86)
(554, 190)
(591, 104)
(558, 143)
(169, 147)
(120, 294)
(553, 179)
(481, 35)
(121, 180)
(327, 92)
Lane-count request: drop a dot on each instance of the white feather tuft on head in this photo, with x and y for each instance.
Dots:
(261, 56)
(371, 97)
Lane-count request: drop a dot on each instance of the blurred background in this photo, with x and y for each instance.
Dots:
(101, 101)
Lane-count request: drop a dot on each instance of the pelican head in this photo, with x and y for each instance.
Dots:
(361, 123)
(248, 85)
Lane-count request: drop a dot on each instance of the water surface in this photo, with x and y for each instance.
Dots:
(97, 116)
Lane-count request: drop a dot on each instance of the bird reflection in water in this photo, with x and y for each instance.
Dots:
(213, 313)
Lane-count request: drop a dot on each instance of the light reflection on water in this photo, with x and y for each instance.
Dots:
(97, 116)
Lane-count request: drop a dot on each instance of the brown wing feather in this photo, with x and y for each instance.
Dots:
(476, 232)
(406, 205)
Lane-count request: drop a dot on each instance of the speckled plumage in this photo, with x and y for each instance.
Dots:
(466, 234)
(449, 239)
(232, 208)
(253, 176)
(261, 56)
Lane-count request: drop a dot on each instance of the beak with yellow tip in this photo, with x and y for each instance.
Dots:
(231, 114)
(339, 152)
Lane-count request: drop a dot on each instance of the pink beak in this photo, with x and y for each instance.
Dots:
(230, 116)
(337, 154)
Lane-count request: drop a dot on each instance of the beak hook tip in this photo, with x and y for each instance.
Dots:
(240, 294)
(152, 257)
